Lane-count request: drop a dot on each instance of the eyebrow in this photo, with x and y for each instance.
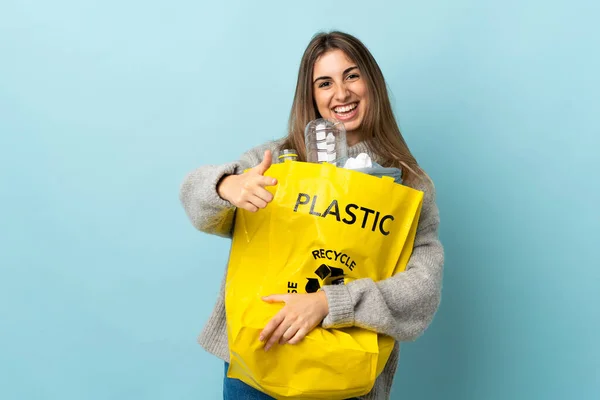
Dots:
(328, 77)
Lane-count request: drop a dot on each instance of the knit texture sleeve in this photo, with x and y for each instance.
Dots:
(403, 305)
(207, 211)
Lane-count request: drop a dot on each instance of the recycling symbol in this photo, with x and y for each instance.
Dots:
(327, 276)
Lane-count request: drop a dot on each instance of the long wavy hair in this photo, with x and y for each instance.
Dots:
(379, 128)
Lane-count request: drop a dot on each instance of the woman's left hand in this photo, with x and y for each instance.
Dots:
(300, 315)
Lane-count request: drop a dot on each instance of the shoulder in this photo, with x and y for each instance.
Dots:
(429, 210)
(255, 155)
(425, 184)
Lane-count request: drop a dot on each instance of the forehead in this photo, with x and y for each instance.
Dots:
(331, 63)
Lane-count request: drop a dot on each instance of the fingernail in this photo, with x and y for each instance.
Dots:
(261, 338)
(274, 181)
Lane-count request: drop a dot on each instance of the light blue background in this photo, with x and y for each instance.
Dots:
(106, 105)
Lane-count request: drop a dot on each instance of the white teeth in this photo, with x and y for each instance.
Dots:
(345, 108)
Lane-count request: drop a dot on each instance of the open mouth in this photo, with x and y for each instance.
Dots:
(346, 112)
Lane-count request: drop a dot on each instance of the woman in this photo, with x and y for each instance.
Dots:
(338, 79)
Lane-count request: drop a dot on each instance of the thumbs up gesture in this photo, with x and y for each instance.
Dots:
(247, 190)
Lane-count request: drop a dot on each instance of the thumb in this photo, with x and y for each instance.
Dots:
(265, 163)
(274, 298)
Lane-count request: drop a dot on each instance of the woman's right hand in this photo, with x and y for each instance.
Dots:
(247, 190)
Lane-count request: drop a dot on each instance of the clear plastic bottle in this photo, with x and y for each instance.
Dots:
(326, 142)
(287, 155)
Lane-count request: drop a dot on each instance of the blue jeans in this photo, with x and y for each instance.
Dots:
(234, 389)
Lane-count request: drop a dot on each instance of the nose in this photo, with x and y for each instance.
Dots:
(341, 93)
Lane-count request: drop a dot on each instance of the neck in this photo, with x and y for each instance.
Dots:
(352, 138)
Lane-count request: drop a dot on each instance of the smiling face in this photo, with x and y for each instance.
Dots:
(340, 92)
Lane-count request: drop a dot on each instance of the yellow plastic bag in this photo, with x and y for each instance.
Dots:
(325, 225)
